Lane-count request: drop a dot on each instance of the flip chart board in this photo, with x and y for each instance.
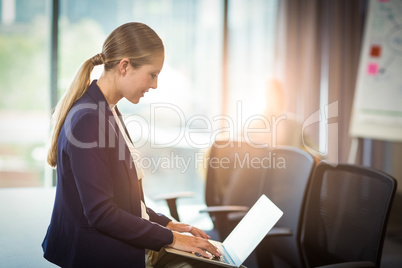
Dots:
(377, 107)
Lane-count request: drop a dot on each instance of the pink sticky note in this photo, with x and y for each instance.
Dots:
(372, 68)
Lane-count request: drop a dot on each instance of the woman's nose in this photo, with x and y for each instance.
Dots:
(154, 84)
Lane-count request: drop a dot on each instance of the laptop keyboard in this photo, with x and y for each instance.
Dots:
(215, 258)
(222, 258)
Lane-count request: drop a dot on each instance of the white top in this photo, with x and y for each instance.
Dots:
(135, 156)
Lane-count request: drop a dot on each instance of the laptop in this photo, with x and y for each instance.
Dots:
(245, 237)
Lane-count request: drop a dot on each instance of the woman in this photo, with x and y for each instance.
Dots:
(99, 217)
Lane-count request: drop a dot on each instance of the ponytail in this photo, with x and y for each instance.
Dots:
(78, 87)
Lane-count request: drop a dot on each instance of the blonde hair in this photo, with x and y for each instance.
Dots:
(133, 40)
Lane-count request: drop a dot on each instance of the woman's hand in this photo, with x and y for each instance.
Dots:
(198, 243)
(194, 244)
(183, 228)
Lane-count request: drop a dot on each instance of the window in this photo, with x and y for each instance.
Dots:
(174, 125)
(251, 54)
(24, 80)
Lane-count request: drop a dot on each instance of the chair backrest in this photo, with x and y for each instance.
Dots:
(346, 214)
(286, 182)
(235, 173)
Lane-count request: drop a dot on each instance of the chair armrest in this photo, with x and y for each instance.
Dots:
(354, 264)
(279, 231)
(169, 196)
(223, 217)
(170, 199)
(224, 209)
(226, 213)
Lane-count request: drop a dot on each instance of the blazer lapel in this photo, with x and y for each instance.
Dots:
(123, 151)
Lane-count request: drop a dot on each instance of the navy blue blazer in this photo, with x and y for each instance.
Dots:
(96, 219)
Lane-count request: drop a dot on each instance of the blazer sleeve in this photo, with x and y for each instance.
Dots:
(158, 217)
(92, 174)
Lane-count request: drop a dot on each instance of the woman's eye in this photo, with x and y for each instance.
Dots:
(154, 76)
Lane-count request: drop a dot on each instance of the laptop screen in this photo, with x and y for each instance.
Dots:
(252, 229)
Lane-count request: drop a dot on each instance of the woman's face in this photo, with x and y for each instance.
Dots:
(136, 82)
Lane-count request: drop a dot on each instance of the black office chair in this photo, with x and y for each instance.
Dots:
(285, 184)
(234, 182)
(345, 216)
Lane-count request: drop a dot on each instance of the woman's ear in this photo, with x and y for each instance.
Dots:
(123, 66)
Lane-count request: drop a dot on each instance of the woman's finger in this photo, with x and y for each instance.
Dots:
(205, 245)
(201, 252)
(199, 233)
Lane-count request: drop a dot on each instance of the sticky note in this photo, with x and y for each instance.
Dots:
(372, 68)
(375, 51)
